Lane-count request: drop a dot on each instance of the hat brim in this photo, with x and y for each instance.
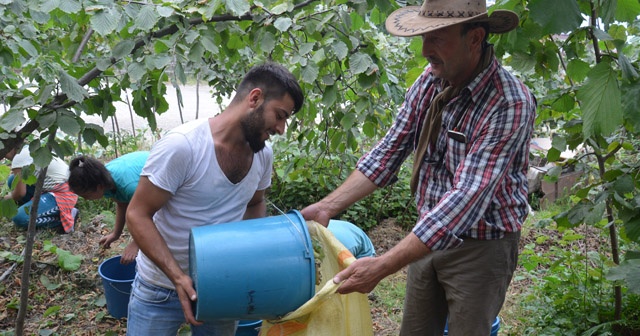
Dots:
(407, 21)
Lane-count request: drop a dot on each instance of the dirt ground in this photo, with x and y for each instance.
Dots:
(73, 303)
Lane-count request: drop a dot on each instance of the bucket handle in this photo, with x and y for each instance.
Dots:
(294, 225)
(118, 290)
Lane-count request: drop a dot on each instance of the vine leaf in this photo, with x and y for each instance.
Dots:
(601, 97)
(556, 16)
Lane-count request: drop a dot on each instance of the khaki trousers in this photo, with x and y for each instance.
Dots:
(467, 284)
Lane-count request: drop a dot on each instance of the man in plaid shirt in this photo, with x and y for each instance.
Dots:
(468, 122)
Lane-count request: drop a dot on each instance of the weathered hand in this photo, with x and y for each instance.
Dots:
(316, 213)
(363, 275)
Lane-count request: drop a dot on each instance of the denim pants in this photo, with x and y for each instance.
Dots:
(156, 311)
(48, 213)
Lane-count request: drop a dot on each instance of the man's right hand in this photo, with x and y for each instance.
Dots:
(106, 241)
(187, 295)
(315, 212)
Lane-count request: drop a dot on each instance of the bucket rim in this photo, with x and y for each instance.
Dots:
(115, 259)
(309, 244)
(249, 323)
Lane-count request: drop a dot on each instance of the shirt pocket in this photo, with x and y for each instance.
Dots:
(455, 154)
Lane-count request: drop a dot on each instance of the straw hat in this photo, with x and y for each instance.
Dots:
(436, 14)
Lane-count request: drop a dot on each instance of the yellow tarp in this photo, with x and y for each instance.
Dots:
(327, 313)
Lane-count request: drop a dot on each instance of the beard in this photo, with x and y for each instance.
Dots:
(253, 128)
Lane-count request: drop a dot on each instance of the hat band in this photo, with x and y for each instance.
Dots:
(449, 14)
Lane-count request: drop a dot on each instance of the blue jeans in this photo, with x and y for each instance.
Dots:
(156, 311)
(48, 213)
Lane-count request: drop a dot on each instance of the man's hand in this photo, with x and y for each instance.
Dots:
(187, 295)
(362, 276)
(130, 253)
(315, 212)
(106, 241)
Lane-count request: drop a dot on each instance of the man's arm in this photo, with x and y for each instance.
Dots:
(19, 189)
(257, 207)
(146, 201)
(121, 211)
(356, 187)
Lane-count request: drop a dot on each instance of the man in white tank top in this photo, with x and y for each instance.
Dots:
(203, 172)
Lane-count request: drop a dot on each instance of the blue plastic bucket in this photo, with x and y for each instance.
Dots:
(494, 327)
(253, 269)
(117, 280)
(248, 328)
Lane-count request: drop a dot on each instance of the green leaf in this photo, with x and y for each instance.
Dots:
(209, 44)
(70, 6)
(629, 271)
(282, 8)
(68, 261)
(627, 10)
(340, 49)
(28, 47)
(555, 16)
(268, 42)
(165, 11)
(578, 69)
(348, 120)
(629, 72)
(305, 48)
(12, 119)
(237, 7)
(105, 21)
(624, 184)
(147, 17)
(553, 155)
(136, 71)
(601, 101)
(631, 103)
(51, 310)
(330, 95)
(47, 283)
(595, 214)
(309, 73)
(359, 63)
(71, 88)
(8, 208)
(632, 229)
(68, 124)
(564, 104)
(41, 157)
(122, 49)
(283, 24)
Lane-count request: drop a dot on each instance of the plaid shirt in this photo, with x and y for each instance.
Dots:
(473, 183)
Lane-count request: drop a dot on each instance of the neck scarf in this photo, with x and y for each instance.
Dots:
(432, 122)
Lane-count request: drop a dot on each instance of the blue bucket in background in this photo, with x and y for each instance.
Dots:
(116, 281)
(256, 269)
(494, 327)
(248, 328)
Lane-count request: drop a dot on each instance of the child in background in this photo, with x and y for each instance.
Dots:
(118, 179)
(56, 208)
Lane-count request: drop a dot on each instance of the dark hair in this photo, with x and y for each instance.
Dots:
(466, 27)
(274, 80)
(86, 174)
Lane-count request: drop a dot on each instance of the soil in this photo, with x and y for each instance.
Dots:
(72, 302)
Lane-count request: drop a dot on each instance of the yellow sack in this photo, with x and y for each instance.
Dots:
(327, 313)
